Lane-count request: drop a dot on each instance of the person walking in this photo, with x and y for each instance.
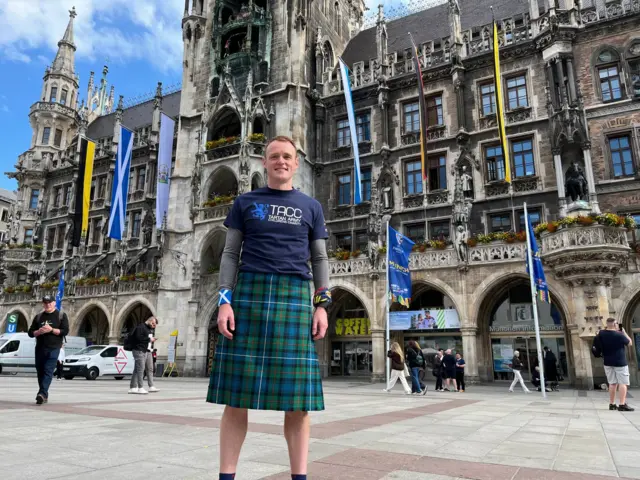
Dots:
(449, 366)
(60, 363)
(438, 370)
(416, 362)
(516, 366)
(141, 338)
(49, 328)
(460, 363)
(266, 358)
(149, 369)
(397, 368)
(614, 341)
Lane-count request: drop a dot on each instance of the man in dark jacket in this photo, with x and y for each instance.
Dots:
(550, 368)
(142, 344)
(49, 328)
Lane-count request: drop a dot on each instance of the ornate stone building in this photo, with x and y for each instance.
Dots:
(570, 77)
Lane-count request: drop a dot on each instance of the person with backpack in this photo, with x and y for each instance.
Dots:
(416, 362)
(611, 344)
(438, 369)
(49, 328)
(139, 341)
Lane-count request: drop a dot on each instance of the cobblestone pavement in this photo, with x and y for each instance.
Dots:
(94, 430)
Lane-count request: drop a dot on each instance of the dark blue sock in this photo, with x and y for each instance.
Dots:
(227, 476)
(298, 477)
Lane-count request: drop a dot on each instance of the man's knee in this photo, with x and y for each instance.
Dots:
(296, 416)
(236, 412)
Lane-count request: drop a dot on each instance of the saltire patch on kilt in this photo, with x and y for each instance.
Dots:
(271, 363)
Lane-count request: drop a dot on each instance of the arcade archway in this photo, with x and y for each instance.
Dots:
(137, 314)
(632, 326)
(94, 326)
(16, 318)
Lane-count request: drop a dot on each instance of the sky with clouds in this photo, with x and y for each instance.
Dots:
(140, 40)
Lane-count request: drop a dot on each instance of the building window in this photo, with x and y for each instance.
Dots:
(22, 278)
(54, 94)
(517, 92)
(415, 232)
(365, 185)
(411, 117)
(28, 235)
(621, 156)
(5, 216)
(344, 189)
(500, 222)
(344, 137)
(46, 133)
(97, 229)
(141, 178)
(57, 196)
(440, 230)
(609, 76)
(362, 241)
(413, 177)
(135, 225)
(33, 201)
(534, 214)
(522, 153)
(495, 163)
(634, 72)
(63, 96)
(488, 99)
(60, 237)
(51, 237)
(102, 186)
(67, 195)
(434, 111)
(344, 241)
(363, 125)
(438, 173)
(57, 140)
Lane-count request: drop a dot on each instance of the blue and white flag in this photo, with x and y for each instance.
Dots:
(165, 151)
(399, 249)
(120, 189)
(357, 190)
(60, 292)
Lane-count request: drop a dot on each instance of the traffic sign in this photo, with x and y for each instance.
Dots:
(121, 360)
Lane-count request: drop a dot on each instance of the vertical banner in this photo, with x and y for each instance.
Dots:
(165, 152)
(542, 289)
(83, 191)
(399, 249)
(422, 109)
(346, 86)
(60, 292)
(500, 104)
(120, 189)
(171, 349)
(12, 323)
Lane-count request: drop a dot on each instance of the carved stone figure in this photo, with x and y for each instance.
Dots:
(462, 235)
(195, 182)
(467, 183)
(575, 183)
(244, 184)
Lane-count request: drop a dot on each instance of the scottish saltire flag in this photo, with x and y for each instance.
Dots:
(542, 289)
(357, 189)
(165, 151)
(399, 248)
(120, 188)
(60, 292)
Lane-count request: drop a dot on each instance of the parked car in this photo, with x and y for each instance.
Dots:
(97, 361)
(18, 351)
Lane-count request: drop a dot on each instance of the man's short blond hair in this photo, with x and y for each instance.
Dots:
(281, 138)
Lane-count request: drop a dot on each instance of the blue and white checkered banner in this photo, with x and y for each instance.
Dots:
(120, 189)
(357, 187)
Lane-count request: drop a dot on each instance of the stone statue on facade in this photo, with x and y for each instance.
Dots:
(196, 178)
(106, 239)
(244, 184)
(462, 235)
(462, 206)
(575, 184)
(467, 183)
(120, 259)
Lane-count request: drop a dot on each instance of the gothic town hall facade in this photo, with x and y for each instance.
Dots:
(571, 89)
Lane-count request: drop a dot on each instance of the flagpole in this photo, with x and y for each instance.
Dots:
(535, 304)
(388, 340)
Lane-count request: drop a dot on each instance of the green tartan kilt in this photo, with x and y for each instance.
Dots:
(271, 363)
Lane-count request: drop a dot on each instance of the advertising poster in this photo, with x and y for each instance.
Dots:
(427, 319)
(12, 323)
(399, 274)
(502, 355)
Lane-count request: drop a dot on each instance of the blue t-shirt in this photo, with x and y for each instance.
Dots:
(613, 348)
(278, 227)
(459, 364)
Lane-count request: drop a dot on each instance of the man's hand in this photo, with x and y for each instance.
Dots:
(320, 323)
(46, 328)
(226, 320)
(154, 339)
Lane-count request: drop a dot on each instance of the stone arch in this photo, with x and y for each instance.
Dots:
(211, 251)
(126, 310)
(256, 181)
(259, 125)
(226, 123)
(22, 315)
(341, 283)
(93, 323)
(74, 325)
(222, 181)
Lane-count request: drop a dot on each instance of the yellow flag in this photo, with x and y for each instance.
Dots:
(499, 105)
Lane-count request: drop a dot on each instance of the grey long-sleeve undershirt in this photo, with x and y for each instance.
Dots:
(231, 258)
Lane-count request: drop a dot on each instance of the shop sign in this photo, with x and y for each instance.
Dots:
(525, 328)
(432, 319)
(352, 326)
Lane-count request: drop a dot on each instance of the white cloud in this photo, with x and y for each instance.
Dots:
(4, 109)
(121, 30)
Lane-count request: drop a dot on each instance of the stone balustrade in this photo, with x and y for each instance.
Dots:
(497, 252)
(218, 212)
(578, 237)
(19, 254)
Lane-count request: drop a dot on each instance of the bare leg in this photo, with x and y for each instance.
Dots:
(233, 430)
(612, 394)
(297, 429)
(622, 394)
(455, 384)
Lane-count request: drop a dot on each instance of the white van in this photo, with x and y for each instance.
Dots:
(99, 360)
(18, 351)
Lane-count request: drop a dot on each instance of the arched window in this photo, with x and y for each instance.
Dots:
(63, 96)
(633, 58)
(328, 56)
(54, 94)
(609, 79)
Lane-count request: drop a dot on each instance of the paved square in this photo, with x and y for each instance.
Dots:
(94, 430)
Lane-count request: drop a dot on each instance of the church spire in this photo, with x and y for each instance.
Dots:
(64, 62)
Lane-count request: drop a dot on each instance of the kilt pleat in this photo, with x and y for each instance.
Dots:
(271, 363)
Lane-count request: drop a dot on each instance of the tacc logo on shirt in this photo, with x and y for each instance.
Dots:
(277, 213)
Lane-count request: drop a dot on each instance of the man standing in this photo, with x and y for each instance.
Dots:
(142, 339)
(449, 366)
(266, 358)
(614, 343)
(550, 363)
(49, 328)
